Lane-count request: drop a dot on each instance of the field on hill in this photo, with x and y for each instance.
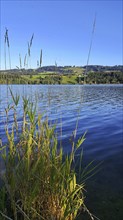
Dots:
(62, 75)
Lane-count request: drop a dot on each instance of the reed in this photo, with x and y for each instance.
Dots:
(6, 43)
(31, 40)
(41, 58)
(29, 50)
(5, 40)
(40, 182)
(20, 61)
(90, 47)
(28, 54)
(25, 61)
(37, 63)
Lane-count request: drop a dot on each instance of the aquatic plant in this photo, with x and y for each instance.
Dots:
(39, 181)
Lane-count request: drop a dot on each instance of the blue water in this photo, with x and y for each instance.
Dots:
(98, 109)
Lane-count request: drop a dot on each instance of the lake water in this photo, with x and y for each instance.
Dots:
(98, 109)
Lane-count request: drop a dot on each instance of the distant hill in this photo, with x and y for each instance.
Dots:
(99, 68)
(65, 69)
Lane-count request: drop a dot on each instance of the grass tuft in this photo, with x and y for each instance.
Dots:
(40, 182)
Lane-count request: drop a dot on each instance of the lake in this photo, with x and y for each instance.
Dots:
(97, 109)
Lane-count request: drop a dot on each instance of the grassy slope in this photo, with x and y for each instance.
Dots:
(70, 78)
(66, 75)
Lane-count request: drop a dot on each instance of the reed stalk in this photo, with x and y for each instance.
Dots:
(5, 40)
(92, 35)
(8, 44)
(41, 58)
(29, 50)
(25, 61)
(28, 54)
(37, 63)
(20, 61)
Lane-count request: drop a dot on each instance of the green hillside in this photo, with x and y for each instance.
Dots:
(63, 75)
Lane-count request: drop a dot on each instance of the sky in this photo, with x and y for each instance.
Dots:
(63, 30)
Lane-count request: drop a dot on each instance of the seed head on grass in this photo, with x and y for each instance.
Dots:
(8, 44)
(20, 61)
(5, 41)
(41, 58)
(28, 49)
(37, 63)
(31, 40)
(25, 60)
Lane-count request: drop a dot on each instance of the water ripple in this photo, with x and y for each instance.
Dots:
(98, 109)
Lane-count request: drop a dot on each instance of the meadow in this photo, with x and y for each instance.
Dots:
(73, 75)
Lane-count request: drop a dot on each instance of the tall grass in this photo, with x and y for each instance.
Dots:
(39, 182)
(37, 63)
(25, 61)
(20, 61)
(90, 47)
(29, 50)
(6, 42)
(41, 58)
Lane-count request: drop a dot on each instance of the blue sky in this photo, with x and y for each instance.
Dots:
(62, 29)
